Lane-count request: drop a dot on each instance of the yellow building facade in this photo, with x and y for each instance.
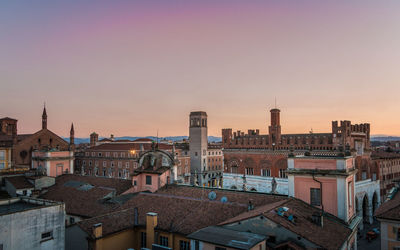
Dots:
(5, 159)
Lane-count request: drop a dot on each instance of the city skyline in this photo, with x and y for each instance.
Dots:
(132, 68)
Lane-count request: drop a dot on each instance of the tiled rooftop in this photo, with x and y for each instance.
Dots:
(86, 195)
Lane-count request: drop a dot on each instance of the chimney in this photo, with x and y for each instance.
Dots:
(98, 230)
(151, 223)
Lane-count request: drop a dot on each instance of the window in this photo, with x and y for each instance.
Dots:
(115, 154)
(96, 163)
(119, 164)
(364, 175)
(164, 241)
(282, 173)
(107, 154)
(93, 153)
(112, 164)
(184, 245)
(220, 248)
(47, 235)
(127, 164)
(122, 154)
(249, 171)
(350, 185)
(143, 239)
(104, 163)
(234, 169)
(84, 163)
(135, 183)
(71, 220)
(148, 179)
(195, 153)
(99, 154)
(2, 165)
(90, 163)
(104, 172)
(265, 172)
(315, 196)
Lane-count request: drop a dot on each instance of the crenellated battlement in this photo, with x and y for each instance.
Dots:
(345, 136)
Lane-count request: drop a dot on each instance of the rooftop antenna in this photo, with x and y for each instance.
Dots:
(275, 101)
(157, 136)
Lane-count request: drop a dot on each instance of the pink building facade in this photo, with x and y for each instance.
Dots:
(156, 169)
(53, 163)
(150, 181)
(325, 182)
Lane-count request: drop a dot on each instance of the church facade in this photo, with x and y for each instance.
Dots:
(21, 147)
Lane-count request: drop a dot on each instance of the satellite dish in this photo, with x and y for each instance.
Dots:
(224, 199)
(212, 195)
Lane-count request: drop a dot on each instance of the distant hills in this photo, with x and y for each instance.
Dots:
(132, 138)
(210, 138)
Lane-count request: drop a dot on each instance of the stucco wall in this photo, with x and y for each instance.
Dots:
(259, 183)
(23, 230)
(303, 185)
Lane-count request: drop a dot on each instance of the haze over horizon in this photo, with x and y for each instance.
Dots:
(130, 68)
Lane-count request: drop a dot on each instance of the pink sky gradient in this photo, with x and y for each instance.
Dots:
(132, 67)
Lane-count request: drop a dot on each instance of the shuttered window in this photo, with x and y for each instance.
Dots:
(315, 196)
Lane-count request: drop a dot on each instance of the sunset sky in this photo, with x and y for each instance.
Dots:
(132, 67)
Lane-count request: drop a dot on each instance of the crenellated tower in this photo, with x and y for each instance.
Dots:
(275, 127)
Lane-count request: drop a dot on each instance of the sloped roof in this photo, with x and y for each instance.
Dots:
(84, 195)
(331, 236)
(175, 214)
(227, 237)
(390, 209)
(186, 209)
(20, 182)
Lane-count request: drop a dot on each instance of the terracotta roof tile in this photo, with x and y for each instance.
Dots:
(84, 195)
(186, 209)
(331, 236)
(390, 209)
(175, 214)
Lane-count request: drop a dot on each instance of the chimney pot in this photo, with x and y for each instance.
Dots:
(98, 230)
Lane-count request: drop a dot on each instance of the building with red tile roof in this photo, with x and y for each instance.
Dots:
(388, 215)
(86, 196)
(183, 210)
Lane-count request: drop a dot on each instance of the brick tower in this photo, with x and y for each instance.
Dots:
(72, 138)
(275, 127)
(44, 118)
